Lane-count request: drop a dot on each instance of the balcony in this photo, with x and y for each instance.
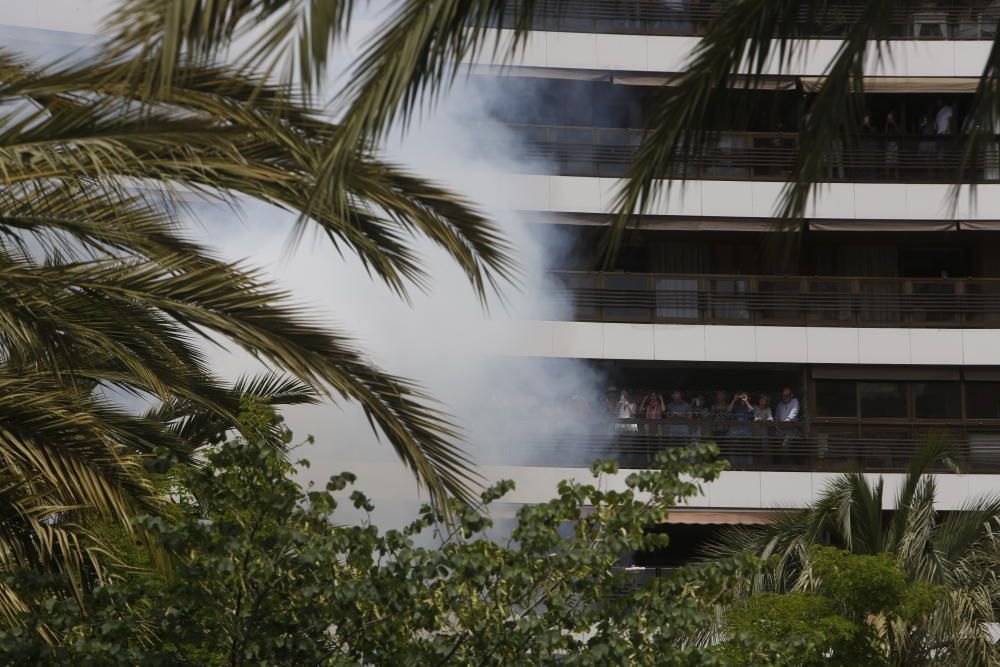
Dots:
(805, 446)
(779, 301)
(958, 20)
(755, 156)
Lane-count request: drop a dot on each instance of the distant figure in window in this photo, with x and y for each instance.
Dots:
(699, 411)
(679, 412)
(944, 123)
(699, 406)
(652, 406)
(787, 416)
(740, 411)
(720, 414)
(869, 146)
(626, 410)
(762, 411)
(740, 428)
(866, 124)
(891, 145)
(788, 409)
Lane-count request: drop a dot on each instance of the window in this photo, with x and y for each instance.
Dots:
(836, 398)
(982, 400)
(937, 400)
(882, 399)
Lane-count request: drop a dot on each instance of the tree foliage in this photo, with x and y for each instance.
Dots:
(843, 619)
(104, 296)
(262, 573)
(956, 551)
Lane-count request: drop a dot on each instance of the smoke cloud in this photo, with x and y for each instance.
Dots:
(510, 411)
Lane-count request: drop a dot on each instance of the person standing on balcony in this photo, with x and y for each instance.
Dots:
(762, 411)
(787, 416)
(699, 412)
(867, 144)
(740, 411)
(944, 123)
(788, 409)
(740, 429)
(763, 418)
(720, 414)
(891, 145)
(652, 408)
(626, 410)
(679, 412)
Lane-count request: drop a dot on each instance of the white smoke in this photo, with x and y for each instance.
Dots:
(510, 411)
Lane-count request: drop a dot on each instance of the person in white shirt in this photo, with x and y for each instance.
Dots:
(626, 410)
(944, 124)
(786, 414)
(788, 409)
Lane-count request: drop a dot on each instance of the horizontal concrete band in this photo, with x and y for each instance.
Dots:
(734, 490)
(769, 344)
(659, 53)
(735, 199)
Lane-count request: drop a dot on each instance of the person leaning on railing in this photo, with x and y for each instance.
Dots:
(787, 414)
(679, 412)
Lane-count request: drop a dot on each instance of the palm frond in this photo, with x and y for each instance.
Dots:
(292, 35)
(750, 40)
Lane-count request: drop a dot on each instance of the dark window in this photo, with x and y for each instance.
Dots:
(882, 399)
(937, 400)
(836, 398)
(982, 400)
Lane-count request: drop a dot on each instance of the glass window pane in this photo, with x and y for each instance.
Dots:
(882, 399)
(631, 297)
(836, 398)
(982, 400)
(677, 298)
(937, 400)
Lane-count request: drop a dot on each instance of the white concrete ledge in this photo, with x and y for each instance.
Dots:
(762, 344)
(657, 53)
(735, 489)
(743, 489)
(746, 199)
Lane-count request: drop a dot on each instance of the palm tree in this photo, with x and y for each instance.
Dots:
(103, 296)
(958, 551)
(758, 36)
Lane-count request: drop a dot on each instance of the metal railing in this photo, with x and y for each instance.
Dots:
(765, 156)
(793, 446)
(778, 300)
(955, 20)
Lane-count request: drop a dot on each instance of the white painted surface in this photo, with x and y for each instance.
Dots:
(849, 201)
(742, 489)
(390, 481)
(765, 344)
(661, 53)
(628, 341)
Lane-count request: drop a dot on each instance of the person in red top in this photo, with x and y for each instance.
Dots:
(652, 407)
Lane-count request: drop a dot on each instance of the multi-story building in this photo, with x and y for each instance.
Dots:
(878, 312)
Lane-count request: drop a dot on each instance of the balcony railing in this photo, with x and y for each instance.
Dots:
(795, 446)
(764, 156)
(957, 20)
(778, 300)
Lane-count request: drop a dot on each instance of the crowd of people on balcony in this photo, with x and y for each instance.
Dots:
(726, 414)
